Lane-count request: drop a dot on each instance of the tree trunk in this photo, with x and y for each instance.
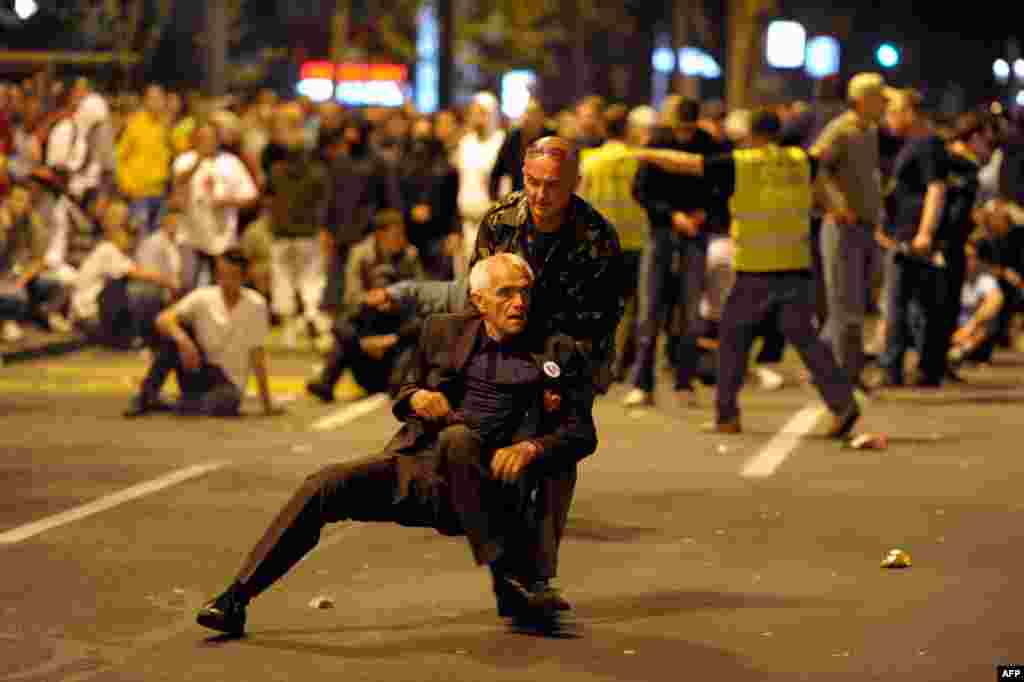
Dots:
(217, 47)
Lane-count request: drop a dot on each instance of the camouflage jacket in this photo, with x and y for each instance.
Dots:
(579, 288)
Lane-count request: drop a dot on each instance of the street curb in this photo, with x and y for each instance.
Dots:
(53, 349)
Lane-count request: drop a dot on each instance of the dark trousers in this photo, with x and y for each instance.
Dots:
(40, 297)
(128, 310)
(917, 284)
(450, 491)
(655, 280)
(205, 391)
(374, 375)
(754, 298)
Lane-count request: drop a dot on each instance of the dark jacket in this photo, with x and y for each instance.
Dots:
(566, 436)
(428, 178)
(362, 185)
(662, 193)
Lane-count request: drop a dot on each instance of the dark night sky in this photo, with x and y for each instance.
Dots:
(941, 45)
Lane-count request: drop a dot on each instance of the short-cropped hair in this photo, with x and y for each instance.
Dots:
(482, 274)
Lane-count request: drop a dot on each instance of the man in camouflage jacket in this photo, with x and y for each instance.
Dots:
(575, 257)
(578, 291)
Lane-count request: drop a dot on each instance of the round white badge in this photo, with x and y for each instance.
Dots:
(552, 370)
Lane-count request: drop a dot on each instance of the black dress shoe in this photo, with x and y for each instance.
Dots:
(517, 600)
(321, 390)
(928, 382)
(953, 376)
(141, 406)
(224, 614)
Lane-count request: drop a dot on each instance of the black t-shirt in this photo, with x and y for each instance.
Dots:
(720, 172)
(921, 162)
(503, 383)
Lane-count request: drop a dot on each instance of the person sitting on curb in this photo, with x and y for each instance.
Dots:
(211, 339)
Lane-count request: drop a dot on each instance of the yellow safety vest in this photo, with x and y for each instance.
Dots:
(771, 208)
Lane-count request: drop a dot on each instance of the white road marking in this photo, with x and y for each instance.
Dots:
(109, 502)
(772, 455)
(350, 413)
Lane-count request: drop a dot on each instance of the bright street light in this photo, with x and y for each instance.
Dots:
(785, 45)
(1018, 68)
(1001, 69)
(888, 56)
(25, 9)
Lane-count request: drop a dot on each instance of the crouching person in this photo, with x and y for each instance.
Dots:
(490, 416)
(210, 339)
(373, 343)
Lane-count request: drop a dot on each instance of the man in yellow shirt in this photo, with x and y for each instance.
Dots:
(606, 182)
(144, 160)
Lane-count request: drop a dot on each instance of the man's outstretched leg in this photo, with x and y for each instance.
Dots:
(363, 490)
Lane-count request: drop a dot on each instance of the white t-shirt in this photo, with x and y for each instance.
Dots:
(474, 159)
(227, 337)
(974, 292)
(160, 254)
(105, 263)
(206, 228)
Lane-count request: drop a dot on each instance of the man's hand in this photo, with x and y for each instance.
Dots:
(1012, 277)
(421, 213)
(884, 240)
(430, 404)
(190, 358)
(843, 216)
(274, 409)
(509, 462)
(685, 224)
(377, 346)
(452, 243)
(922, 243)
(379, 299)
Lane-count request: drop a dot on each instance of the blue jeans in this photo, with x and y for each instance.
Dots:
(914, 318)
(655, 280)
(146, 213)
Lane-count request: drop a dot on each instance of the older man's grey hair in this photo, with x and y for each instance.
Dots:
(482, 274)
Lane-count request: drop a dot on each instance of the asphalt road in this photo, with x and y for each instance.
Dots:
(680, 566)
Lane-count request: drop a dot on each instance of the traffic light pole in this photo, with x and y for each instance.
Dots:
(446, 56)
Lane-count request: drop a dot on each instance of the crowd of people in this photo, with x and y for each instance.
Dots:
(496, 280)
(115, 208)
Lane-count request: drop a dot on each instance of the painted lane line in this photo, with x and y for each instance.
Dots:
(109, 502)
(350, 413)
(772, 455)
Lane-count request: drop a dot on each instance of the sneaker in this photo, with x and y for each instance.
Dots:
(321, 390)
(842, 424)
(687, 397)
(728, 427)
(638, 398)
(11, 332)
(224, 614)
(770, 379)
(58, 323)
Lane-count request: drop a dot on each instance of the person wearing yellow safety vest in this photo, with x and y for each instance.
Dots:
(770, 190)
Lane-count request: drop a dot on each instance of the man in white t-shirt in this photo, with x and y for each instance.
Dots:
(95, 302)
(474, 158)
(211, 338)
(214, 185)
